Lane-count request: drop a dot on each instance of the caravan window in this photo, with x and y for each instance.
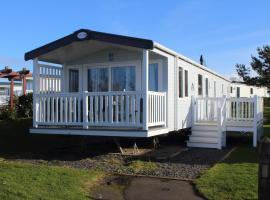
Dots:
(73, 80)
(206, 86)
(251, 90)
(180, 83)
(153, 77)
(186, 83)
(98, 80)
(200, 87)
(123, 78)
(238, 92)
(215, 88)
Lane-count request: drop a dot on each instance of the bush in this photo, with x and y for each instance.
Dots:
(6, 113)
(24, 106)
(267, 101)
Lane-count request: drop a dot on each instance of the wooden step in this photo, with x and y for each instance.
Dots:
(203, 139)
(208, 133)
(205, 127)
(203, 145)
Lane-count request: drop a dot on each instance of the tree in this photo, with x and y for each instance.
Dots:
(260, 65)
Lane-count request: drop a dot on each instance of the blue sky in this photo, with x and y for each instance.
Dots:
(225, 32)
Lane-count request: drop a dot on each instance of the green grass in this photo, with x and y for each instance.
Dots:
(28, 181)
(138, 166)
(237, 176)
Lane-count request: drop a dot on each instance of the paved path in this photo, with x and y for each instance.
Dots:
(134, 188)
(160, 189)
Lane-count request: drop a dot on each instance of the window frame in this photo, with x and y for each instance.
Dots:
(110, 65)
(66, 85)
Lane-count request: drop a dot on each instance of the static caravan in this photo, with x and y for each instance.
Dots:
(240, 89)
(101, 84)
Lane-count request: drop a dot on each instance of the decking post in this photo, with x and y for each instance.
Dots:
(145, 61)
(255, 128)
(85, 110)
(36, 82)
(192, 110)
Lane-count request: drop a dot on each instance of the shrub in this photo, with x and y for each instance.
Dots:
(267, 101)
(24, 105)
(6, 113)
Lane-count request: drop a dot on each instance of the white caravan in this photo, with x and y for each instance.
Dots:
(101, 84)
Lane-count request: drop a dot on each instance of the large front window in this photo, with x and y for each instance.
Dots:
(123, 78)
(105, 79)
(98, 80)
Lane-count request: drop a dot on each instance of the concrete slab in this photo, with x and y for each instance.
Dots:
(160, 189)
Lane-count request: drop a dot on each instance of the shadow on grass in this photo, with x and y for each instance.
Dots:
(17, 143)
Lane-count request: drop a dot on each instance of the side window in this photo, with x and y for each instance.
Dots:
(238, 92)
(231, 89)
(206, 87)
(215, 88)
(251, 90)
(186, 83)
(200, 87)
(73, 80)
(153, 77)
(180, 82)
(222, 89)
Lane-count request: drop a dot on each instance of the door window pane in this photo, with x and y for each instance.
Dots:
(73, 80)
(123, 78)
(153, 77)
(98, 80)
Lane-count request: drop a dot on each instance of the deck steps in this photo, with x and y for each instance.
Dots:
(204, 135)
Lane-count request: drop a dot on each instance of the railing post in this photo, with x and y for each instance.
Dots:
(255, 130)
(36, 83)
(219, 128)
(85, 110)
(145, 60)
(193, 110)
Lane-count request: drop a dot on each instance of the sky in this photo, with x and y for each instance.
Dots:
(224, 32)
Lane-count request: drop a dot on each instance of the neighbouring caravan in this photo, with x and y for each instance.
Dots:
(18, 90)
(240, 89)
(101, 84)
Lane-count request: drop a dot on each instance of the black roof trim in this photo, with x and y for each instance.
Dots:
(90, 35)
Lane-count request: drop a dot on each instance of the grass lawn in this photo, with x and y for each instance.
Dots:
(28, 181)
(236, 177)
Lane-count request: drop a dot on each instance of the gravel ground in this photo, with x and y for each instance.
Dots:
(187, 165)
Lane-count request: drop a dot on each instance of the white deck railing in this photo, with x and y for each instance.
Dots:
(237, 109)
(108, 109)
(157, 108)
(206, 109)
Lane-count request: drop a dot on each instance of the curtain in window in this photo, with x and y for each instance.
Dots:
(153, 77)
(123, 78)
(73, 80)
(98, 80)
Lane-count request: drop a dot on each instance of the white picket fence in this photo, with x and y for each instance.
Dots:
(108, 109)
